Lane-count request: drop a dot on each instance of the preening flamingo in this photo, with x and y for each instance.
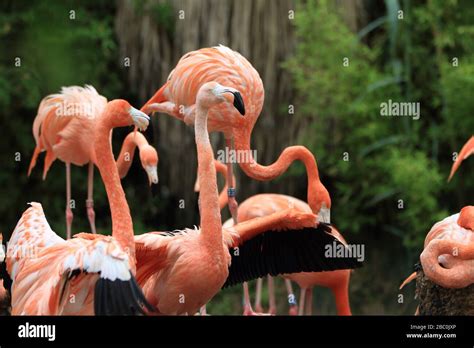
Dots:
(177, 97)
(182, 270)
(448, 255)
(90, 273)
(64, 128)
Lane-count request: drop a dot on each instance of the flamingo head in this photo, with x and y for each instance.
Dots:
(126, 115)
(149, 161)
(212, 93)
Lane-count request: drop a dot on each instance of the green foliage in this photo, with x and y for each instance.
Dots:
(389, 159)
(55, 50)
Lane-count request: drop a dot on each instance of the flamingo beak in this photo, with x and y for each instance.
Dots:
(140, 119)
(239, 102)
(152, 172)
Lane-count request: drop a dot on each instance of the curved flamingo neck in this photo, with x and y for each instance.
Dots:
(288, 156)
(122, 227)
(127, 152)
(211, 226)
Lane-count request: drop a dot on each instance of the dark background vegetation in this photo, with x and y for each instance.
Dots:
(337, 111)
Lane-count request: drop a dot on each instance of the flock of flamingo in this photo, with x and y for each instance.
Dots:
(180, 271)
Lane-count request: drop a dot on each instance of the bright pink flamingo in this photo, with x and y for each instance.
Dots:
(181, 271)
(177, 97)
(64, 128)
(89, 273)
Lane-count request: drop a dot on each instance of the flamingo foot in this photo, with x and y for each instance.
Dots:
(248, 311)
(293, 310)
(272, 310)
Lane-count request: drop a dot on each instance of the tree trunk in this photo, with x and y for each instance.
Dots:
(154, 34)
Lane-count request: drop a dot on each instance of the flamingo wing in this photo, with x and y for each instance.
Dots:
(153, 250)
(466, 151)
(284, 242)
(52, 276)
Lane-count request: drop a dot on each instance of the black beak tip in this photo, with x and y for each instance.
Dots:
(239, 103)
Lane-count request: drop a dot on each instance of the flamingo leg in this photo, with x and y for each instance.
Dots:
(258, 296)
(203, 310)
(69, 214)
(271, 296)
(233, 207)
(309, 301)
(302, 301)
(247, 306)
(291, 298)
(90, 197)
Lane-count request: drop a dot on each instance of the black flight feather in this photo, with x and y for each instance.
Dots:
(291, 251)
(120, 297)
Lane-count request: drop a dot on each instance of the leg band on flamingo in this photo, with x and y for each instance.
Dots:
(231, 192)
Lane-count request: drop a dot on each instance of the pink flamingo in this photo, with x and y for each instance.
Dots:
(177, 97)
(148, 156)
(64, 128)
(267, 204)
(448, 255)
(338, 281)
(89, 273)
(180, 271)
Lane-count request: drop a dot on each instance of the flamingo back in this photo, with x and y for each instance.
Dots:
(64, 124)
(227, 67)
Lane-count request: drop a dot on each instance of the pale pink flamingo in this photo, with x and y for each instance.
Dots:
(181, 271)
(448, 255)
(90, 273)
(177, 97)
(64, 128)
